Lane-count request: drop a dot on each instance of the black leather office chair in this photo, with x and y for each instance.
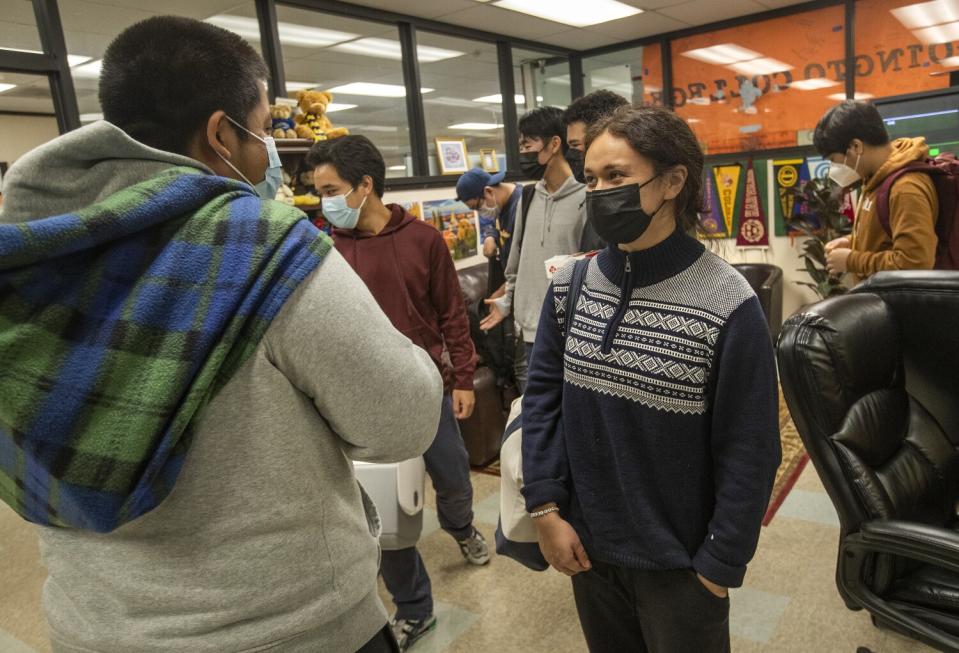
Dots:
(767, 281)
(872, 382)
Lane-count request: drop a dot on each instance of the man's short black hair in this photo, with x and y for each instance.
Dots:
(847, 121)
(544, 123)
(163, 77)
(592, 108)
(353, 157)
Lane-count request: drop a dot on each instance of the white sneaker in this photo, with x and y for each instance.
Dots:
(474, 549)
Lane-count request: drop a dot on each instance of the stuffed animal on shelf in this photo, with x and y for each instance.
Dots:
(284, 193)
(313, 123)
(302, 184)
(283, 124)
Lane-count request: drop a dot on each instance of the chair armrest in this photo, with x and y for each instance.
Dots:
(928, 544)
(775, 275)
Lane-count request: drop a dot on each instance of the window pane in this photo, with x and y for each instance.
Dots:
(89, 27)
(346, 56)
(28, 94)
(541, 80)
(461, 99)
(749, 88)
(636, 74)
(906, 51)
(18, 26)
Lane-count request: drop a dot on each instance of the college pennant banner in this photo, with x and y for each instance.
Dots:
(727, 190)
(710, 219)
(753, 231)
(786, 174)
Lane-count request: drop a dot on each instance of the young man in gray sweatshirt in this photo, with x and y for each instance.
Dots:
(553, 225)
(266, 541)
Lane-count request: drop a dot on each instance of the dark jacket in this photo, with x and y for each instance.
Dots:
(410, 273)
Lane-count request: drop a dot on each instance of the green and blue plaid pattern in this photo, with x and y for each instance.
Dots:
(119, 323)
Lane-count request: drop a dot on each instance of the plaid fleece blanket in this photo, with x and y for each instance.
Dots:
(118, 324)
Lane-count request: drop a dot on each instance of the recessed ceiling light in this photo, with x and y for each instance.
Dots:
(397, 168)
(951, 62)
(946, 33)
(723, 54)
(300, 86)
(290, 34)
(927, 14)
(333, 107)
(841, 97)
(571, 12)
(6, 87)
(498, 99)
(376, 90)
(88, 70)
(762, 66)
(814, 84)
(476, 126)
(386, 49)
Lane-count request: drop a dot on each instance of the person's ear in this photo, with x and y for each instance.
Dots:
(856, 147)
(367, 185)
(557, 144)
(674, 180)
(219, 136)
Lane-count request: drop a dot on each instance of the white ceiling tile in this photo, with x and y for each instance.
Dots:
(777, 4)
(651, 23)
(701, 12)
(421, 8)
(505, 21)
(582, 39)
(652, 4)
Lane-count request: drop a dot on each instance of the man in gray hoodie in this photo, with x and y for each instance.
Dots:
(553, 225)
(266, 541)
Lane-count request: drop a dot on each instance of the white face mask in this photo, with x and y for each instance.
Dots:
(491, 212)
(843, 175)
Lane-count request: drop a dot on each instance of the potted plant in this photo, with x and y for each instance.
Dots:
(821, 220)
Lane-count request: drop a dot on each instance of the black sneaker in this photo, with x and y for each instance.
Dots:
(474, 549)
(408, 631)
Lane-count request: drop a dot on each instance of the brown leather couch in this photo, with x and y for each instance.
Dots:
(483, 431)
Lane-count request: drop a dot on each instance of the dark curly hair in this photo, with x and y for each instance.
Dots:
(667, 141)
(592, 108)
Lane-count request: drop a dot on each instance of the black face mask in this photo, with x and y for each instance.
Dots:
(617, 214)
(576, 161)
(530, 165)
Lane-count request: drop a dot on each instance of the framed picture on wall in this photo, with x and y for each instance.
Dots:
(452, 156)
(488, 160)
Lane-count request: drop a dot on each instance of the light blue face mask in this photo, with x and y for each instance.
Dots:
(273, 179)
(340, 215)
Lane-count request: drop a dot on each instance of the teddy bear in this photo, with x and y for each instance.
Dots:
(313, 122)
(283, 125)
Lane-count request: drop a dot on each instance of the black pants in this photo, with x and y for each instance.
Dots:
(656, 611)
(382, 642)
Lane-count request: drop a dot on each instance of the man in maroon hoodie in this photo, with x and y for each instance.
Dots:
(406, 265)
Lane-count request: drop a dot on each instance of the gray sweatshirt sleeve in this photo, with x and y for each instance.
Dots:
(377, 390)
(505, 304)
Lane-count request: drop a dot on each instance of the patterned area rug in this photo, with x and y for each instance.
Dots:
(794, 461)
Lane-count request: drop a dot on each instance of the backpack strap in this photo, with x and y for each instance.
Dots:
(572, 297)
(529, 192)
(885, 190)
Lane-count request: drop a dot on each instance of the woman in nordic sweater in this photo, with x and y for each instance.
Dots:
(650, 424)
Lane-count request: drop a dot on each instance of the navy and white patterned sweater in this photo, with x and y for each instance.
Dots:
(654, 425)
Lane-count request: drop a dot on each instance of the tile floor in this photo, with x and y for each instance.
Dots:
(789, 602)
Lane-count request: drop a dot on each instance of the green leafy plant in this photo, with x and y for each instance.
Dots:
(821, 220)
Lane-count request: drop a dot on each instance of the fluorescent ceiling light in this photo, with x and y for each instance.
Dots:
(386, 49)
(572, 12)
(376, 90)
(90, 117)
(300, 86)
(498, 99)
(951, 62)
(693, 121)
(763, 66)
(939, 34)
(88, 70)
(397, 168)
(476, 126)
(72, 59)
(333, 107)
(290, 34)
(841, 97)
(723, 54)
(814, 84)
(6, 87)
(927, 14)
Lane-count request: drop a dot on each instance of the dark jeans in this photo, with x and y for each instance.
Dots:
(382, 642)
(656, 611)
(448, 465)
(524, 352)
